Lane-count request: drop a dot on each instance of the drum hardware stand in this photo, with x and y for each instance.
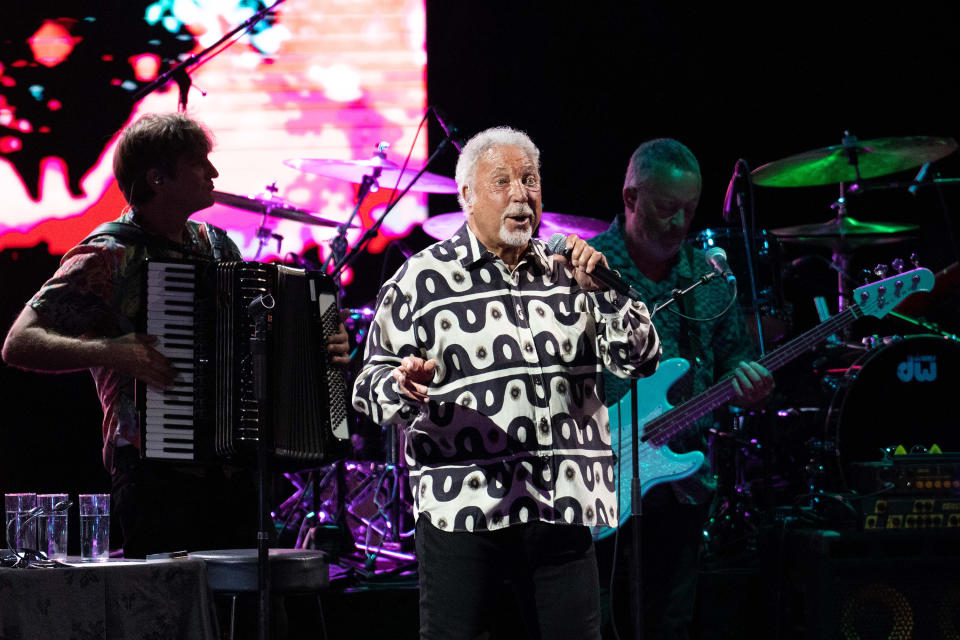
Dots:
(369, 184)
(841, 251)
(344, 262)
(390, 481)
(265, 234)
(735, 516)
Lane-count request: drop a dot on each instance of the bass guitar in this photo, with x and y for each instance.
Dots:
(659, 421)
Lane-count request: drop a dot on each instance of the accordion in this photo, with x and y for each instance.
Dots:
(199, 313)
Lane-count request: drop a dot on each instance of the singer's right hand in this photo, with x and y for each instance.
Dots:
(583, 258)
(413, 377)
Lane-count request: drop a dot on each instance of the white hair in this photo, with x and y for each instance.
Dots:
(480, 144)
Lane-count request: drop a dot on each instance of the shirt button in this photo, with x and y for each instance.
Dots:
(538, 381)
(544, 427)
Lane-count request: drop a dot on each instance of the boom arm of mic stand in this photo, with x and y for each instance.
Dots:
(372, 231)
(676, 294)
(178, 71)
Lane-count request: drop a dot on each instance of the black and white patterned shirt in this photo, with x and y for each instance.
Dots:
(515, 430)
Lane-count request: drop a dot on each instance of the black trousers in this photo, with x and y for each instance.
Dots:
(163, 507)
(549, 571)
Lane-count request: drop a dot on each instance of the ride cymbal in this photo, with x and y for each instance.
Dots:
(855, 160)
(355, 170)
(274, 208)
(845, 230)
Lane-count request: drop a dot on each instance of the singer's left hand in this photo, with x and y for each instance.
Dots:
(583, 258)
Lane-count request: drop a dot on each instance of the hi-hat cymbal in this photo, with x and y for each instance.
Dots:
(830, 165)
(355, 170)
(275, 208)
(845, 230)
(445, 225)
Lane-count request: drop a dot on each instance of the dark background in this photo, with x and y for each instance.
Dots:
(589, 82)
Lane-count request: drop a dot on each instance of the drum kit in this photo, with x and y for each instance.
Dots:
(853, 406)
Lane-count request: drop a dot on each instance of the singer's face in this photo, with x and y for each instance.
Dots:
(505, 206)
(659, 211)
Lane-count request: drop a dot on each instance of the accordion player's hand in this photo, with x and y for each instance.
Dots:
(135, 355)
(338, 346)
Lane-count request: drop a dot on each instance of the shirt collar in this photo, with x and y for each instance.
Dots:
(471, 251)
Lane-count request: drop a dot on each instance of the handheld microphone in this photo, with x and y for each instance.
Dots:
(921, 176)
(717, 258)
(558, 244)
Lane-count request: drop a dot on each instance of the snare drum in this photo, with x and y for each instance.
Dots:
(897, 394)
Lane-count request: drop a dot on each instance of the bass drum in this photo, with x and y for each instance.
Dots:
(767, 263)
(899, 394)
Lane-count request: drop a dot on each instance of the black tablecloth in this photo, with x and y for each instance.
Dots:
(143, 600)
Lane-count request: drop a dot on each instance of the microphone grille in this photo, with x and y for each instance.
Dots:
(714, 253)
(557, 243)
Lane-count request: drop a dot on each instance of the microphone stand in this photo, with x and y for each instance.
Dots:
(259, 311)
(179, 72)
(636, 498)
(748, 245)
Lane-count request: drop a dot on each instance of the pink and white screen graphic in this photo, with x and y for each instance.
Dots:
(328, 80)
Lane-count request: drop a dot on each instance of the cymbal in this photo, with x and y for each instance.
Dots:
(845, 230)
(355, 170)
(551, 223)
(275, 208)
(830, 165)
(445, 225)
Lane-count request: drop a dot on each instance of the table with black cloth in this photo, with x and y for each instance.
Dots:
(114, 599)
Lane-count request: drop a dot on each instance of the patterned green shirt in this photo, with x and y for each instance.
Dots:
(713, 348)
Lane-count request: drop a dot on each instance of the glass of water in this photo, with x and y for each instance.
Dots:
(94, 526)
(21, 531)
(52, 524)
